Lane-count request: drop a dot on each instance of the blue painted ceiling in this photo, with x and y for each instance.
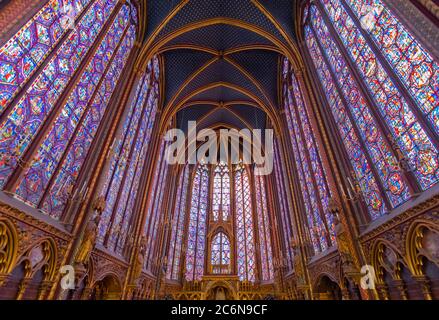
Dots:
(220, 52)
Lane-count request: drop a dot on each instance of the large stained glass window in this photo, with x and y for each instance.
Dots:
(311, 174)
(221, 192)
(245, 239)
(126, 163)
(196, 243)
(55, 86)
(220, 254)
(264, 230)
(178, 226)
(381, 86)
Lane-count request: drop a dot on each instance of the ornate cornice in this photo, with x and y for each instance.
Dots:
(401, 218)
(21, 216)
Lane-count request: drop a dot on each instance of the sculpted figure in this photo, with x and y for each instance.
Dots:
(90, 234)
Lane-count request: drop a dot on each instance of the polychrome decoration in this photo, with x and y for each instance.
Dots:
(381, 86)
(56, 83)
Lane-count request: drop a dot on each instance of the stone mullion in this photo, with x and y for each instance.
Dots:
(80, 122)
(421, 118)
(409, 177)
(84, 209)
(37, 72)
(39, 137)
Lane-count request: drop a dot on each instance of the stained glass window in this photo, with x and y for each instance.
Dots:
(221, 192)
(178, 227)
(220, 254)
(197, 228)
(286, 219)
(415, 67)
(315, 191)
(54, 49)
(26, 116)
(381, 87)
(25, 51)
(246, 260)
(128, 154)
(155, 209)
(264, 230)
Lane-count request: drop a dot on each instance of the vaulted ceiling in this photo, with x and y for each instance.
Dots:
(221, 57)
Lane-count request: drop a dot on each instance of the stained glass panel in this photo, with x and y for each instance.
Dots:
(220, 254)
(197, 225)
(246, 260)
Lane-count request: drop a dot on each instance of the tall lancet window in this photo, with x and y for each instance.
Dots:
(264, 228)
(381, 87)
(178, 226)
(196, 243)
(283, 198)
(126, 163)
(55, 87)
(244, 225)
(311, 174)
(155, 210)
(220, 254)
(221, 192)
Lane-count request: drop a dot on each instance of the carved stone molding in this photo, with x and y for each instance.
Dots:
(105, 264)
